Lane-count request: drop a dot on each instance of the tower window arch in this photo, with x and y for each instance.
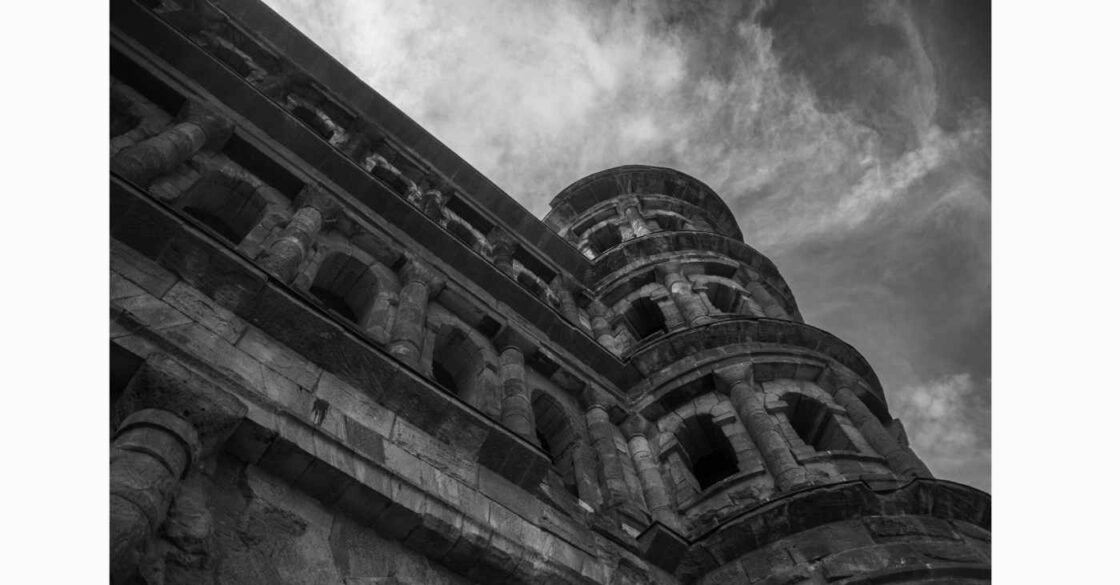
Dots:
(815, 424)
(724, 298)
(710, 455)
(557, 437)
(645, 318)
(604, 238)
(230, 207)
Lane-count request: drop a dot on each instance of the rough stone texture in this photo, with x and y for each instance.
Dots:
(630, 394)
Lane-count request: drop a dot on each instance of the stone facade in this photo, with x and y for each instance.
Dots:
(339, 354)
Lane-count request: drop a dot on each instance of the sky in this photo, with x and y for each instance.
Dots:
(850, 138)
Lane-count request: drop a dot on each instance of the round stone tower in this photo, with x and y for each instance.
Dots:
(764, 446)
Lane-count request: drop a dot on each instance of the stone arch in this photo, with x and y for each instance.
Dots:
(603, 237)
(229, 206)
(349, 281)
(462, 360)
(669, 221)
(642, 314)
(703, 443)
(557, 436)
(815, 423)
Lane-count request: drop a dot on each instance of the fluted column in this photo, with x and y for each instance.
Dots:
(900, 459)
(688, 302)
(406, 339)
(149, 456)
(602, 439)
(287, 252)
(200, 128)
(750, 404)
(517, 410)
(649, 472)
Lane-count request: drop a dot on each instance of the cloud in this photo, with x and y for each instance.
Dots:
(947, 425)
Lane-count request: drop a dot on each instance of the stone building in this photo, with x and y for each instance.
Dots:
(339, 354)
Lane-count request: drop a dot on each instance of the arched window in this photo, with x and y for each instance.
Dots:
(557, 437)
(645, 318)
(724, 298)
(604, 238)
(224, 204)
(710, 454)
(671, 223)
(345, 285)
(457, 362)
(815, 424)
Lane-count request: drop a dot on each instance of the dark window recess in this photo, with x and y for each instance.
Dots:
(469, 215)
(489, 327)
(123, 365)
(604, 238)
(556, 435)
(309, 117)
(121, 120)
(235, 60)
(461, 232)
(145, 83)
(542, 364)
(723, 297)
(444, 378)
(670, 223)
(720, 269)
(262, 166)
(230, 207)
(533, 264)
(709, 451)
(345, 285)
(334, 302)
(645, 318)
(815, 424)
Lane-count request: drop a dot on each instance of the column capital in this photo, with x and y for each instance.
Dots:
(173, 424)
(668, 269)
(735, 374)
(416, 270)
(164, 383)
(318, 198)
(216, 127)
(635, 425)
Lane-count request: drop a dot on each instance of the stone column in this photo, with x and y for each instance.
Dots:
(286, 253)
(562, 286)
(406, 339)
(149, 456)
(649, 472)
(504, 247)
(637, 224)
(169, 417)
(900, 459)
(587, 484)
(517, 410)
(200, 128)
(688, 302)
(377, 321)
(600, 327)
(750, 404)
(602, 439)
(770, 306)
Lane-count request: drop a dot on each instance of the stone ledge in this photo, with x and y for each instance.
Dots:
(817, 506)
